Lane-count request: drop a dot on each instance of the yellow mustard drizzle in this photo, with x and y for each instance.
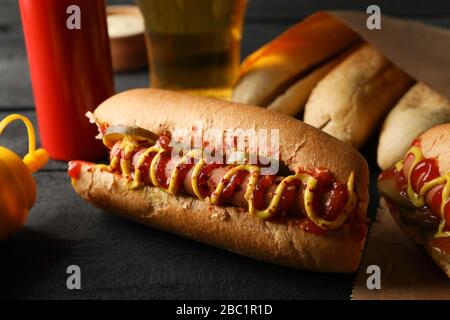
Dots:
(129, 146)
(418, 200)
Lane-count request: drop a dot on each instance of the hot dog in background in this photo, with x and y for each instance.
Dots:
(417, 189)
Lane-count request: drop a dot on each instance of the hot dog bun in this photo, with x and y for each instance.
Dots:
(294, 55)
(302, 146)
(352, 99)
(435, 144)
(421, 108)
(292, 100)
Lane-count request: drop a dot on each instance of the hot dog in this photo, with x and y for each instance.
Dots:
(310, 213)
(417, 189)
(268, 190)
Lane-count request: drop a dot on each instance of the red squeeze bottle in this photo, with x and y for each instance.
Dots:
(71, 72)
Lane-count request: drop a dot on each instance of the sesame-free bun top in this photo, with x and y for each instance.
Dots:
(435, 144)
(301, 145)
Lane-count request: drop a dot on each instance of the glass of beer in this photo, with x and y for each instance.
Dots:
(194, 45)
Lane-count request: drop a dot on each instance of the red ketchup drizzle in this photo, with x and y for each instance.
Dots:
(144, 168)
(74, 168)
(425, 171)
(337, 195)
(327, 185)
(164, 142)
(233, 185)
(447, 216)
(307, 225)
(288, 196)
(160, 174)
(416, 142)
(102, 128)
(435, 202)
(442, 244)
(183, 169)
(259, 192)
(164, 158)
(203, 178)
(398, 177)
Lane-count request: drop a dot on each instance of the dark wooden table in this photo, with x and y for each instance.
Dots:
(121, 259)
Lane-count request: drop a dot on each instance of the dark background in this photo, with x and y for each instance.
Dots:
(121, 259)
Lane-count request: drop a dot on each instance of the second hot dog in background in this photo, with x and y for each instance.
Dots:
(417, 189)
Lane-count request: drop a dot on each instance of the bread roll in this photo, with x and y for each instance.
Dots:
(292, 56)
(292, 101)
(435, 144)
(352, 99)
(420, 109)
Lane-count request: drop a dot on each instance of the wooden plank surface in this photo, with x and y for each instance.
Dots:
(121, 259)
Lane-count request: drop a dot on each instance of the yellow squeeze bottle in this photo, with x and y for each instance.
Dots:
(17, 186)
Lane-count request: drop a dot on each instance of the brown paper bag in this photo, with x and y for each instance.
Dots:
(420, 50)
